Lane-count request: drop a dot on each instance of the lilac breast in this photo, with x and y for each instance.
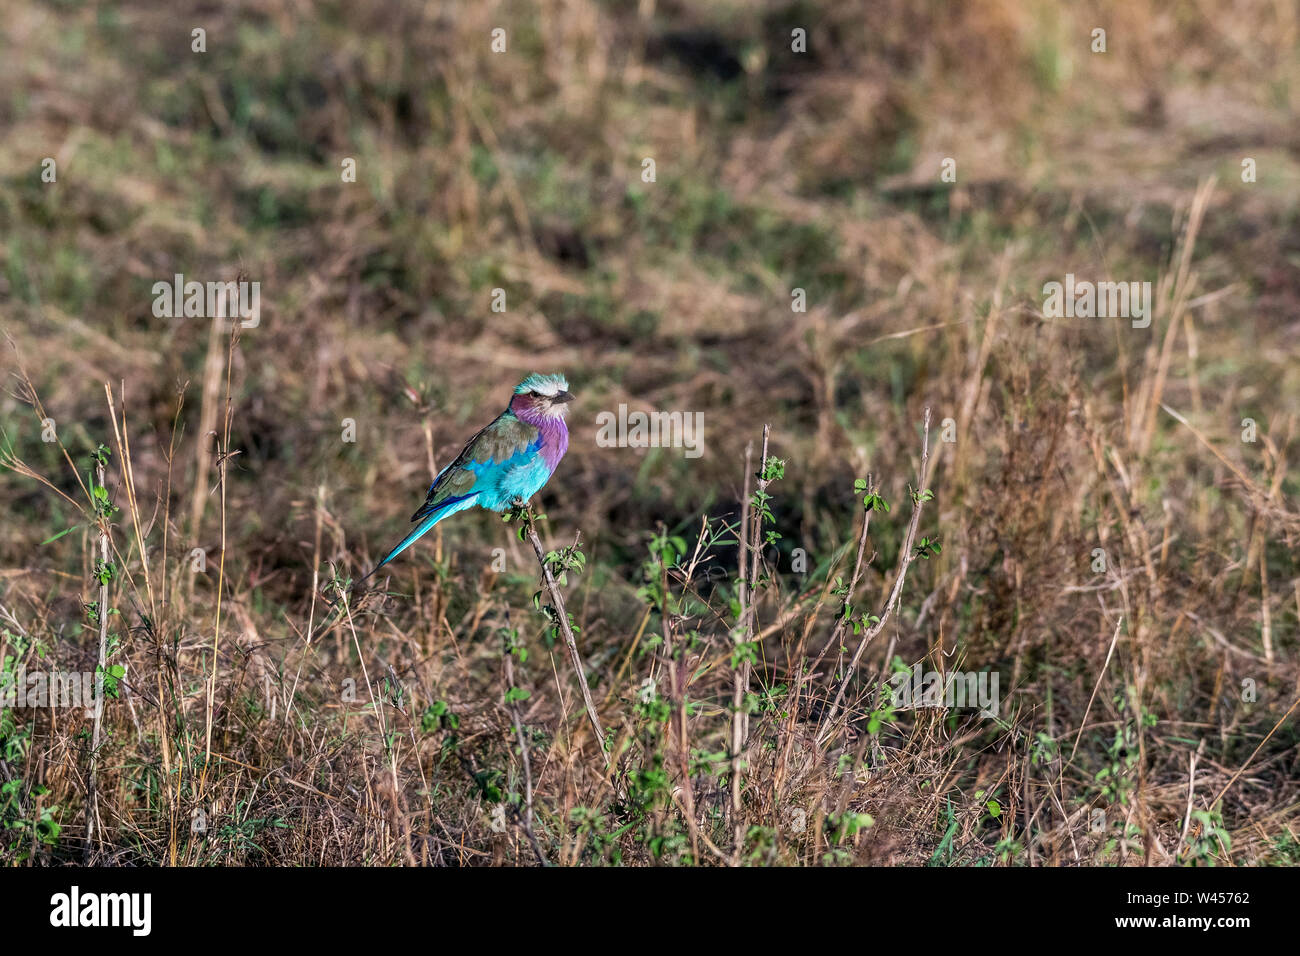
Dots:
(555, 440)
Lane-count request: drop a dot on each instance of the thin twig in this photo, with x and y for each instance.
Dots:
(837, 633)
(1097, 686)
(740, 719)
(221, 564)
(904, 562)
(1242, 769)
(523, 753)
(562, 618)
(738, 678)
(1191, 794)
(92, 795)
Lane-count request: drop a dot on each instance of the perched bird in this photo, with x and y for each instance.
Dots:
(507, 462)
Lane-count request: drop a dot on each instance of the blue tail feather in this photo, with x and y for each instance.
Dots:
(444, 508)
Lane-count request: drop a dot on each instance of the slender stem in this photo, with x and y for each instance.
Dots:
(904, 561)
(837, 633)
(755, 552)
(92, 803)
(221, 566)
(738, 678)
(523, 753)
(751, 525)
(678, 681)
(562, 617)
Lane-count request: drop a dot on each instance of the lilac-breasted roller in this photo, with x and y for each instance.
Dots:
(507, 462)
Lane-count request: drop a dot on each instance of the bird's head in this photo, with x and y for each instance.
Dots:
(542, 396)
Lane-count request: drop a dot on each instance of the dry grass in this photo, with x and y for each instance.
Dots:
(299, 730)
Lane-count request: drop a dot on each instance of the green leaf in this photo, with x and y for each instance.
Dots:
(61, 534)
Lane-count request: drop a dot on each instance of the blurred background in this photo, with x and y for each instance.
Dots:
(795, 146)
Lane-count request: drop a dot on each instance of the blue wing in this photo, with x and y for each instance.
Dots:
(498, 447)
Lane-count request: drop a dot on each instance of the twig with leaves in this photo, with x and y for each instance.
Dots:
(557, 564)
(871, 502)
(746, 652)
(910, 551)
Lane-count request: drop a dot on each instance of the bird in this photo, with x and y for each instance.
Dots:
(505, 464)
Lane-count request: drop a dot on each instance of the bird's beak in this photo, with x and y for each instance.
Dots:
(563, 398)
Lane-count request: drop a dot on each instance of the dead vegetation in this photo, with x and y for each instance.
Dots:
(1102, 534)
